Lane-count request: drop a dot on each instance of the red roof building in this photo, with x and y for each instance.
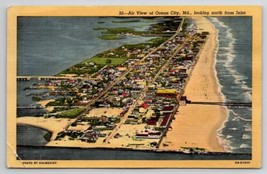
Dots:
(144, 105)
(165, 120)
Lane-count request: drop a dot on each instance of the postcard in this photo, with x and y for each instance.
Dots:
(134, 87)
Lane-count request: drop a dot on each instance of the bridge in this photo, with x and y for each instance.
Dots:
(228, 104)
(40, 107)
(27, 78)
(29, 107)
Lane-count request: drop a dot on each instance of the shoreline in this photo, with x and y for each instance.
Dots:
(220, 139)
(45, 124)
(219, 88)
(189, 129)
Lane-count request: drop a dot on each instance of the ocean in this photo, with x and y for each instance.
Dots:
(234, 72)
(47, 46)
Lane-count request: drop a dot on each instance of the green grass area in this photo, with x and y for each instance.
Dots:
(81, 69)
(110, 37)
(100, 61)
(158, 40)
(56, 109)
(72, 113)
(57, 102)
(112, 61)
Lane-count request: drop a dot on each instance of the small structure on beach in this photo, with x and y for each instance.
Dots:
(183, 101)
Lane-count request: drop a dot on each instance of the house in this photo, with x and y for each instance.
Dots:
(167, 109)
(154, 135)
(151, 122)
(141, 135)
(136, 90)
(108, 127)
(151, 87)
(90, 136)
(144, 105)
(165, 121)
(148, 135)
(189, 57)
(148, 100)
(121, 68)
(205, 33)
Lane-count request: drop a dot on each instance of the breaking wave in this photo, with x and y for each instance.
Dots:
(233, 85)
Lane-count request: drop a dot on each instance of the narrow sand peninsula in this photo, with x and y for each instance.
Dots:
(197, 125)
(43, 103)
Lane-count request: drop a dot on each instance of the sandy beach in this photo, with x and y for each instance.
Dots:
(197, 125)
(108, 112)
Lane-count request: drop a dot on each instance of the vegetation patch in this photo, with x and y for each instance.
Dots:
(118, 30)
(36, 99)
(72, 113)
(111, 61)
(158, 40)
(111, 37)
(48, 136)
(57, 102)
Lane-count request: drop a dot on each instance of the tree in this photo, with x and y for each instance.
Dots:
(108, 61)
(69, 102)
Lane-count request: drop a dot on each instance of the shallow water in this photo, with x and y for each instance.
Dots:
(29, 135)
(48, 45)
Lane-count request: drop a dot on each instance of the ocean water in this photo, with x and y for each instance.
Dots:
(30, 135)
(48, 45)
(234, 72)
